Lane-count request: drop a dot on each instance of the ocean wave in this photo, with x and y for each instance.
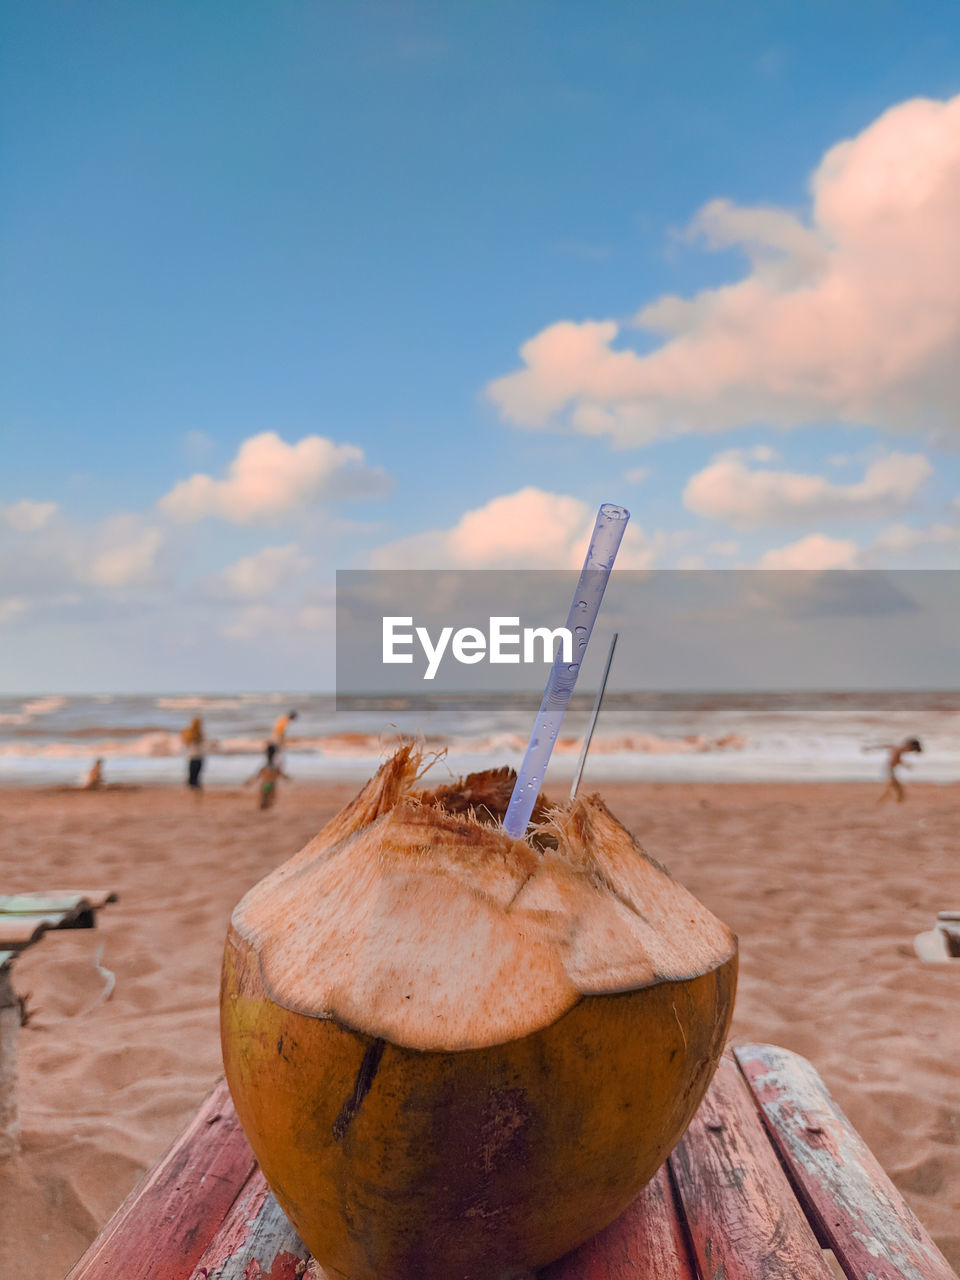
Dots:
(44, 706)
(32, 708)
(158, 743)
(211, 702)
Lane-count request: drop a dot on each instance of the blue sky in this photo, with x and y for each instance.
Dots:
(273, 223)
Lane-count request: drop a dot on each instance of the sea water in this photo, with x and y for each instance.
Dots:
(766, 736)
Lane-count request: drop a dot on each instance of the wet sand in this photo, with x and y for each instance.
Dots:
(825, 889)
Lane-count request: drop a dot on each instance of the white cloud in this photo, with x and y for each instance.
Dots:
(852, 315)
(726, 549)
(26, 516)
(257, 575)
(11, 607)
(691, 562)
(125, 554)
(254, 621)
(269, 478)
(636, 475)
(897, 542)
(816, 551)
(529, 529)
(901, 539)
(317, 617)
(729, 490)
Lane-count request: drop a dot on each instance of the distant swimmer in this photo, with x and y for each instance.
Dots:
(280, 728)
(268, 776)
(896, 761)
(94, 780)
(193, 740)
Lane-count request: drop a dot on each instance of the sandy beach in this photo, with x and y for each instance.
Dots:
(825, 890)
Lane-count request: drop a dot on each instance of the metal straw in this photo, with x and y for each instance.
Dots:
(578, 774)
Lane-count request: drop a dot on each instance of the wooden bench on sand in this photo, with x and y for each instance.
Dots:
(24, 919)
(769, 1181)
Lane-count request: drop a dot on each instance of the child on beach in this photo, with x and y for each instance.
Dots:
(895, 760)
(94, 780)
(268, 776)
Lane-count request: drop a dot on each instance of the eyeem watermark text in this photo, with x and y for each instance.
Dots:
(503, 642)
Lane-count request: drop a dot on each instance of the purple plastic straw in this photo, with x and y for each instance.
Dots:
(604, 545)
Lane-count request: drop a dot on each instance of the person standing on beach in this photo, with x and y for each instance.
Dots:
(268, 776)
(193, 741)
(281, 727)
(895, 760)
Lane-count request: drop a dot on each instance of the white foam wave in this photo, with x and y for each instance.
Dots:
(33, 708)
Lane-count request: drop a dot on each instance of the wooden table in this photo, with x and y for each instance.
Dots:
(769, 1176)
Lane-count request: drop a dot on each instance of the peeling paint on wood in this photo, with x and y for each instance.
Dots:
(24, 917)
(844, 1191)
(55, 900)
(255, 1240)
(743, 1218)
(166, 1222)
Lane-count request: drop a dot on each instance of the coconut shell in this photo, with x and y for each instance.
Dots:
(455, 1054)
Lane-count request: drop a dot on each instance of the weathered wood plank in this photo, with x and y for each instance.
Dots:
(9, 1036)
(645, 1243)
(743, 1218)
(25, 916)
(164, 1225)
(256, 1239)
(853, 1204)
(20, 931)
(55, 900)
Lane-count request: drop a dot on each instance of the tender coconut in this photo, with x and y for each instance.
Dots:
(457, 1054)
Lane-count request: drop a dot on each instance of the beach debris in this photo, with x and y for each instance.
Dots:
(109, 981)
(457, 1053)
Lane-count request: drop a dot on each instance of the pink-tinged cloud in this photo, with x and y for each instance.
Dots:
(262, 573)
(816, 551)
(729, 490)
(853, 314)
(27, 516)
(269, 479)
(125, 554)
(529, 529)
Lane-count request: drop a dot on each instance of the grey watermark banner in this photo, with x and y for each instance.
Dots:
(423, 636)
